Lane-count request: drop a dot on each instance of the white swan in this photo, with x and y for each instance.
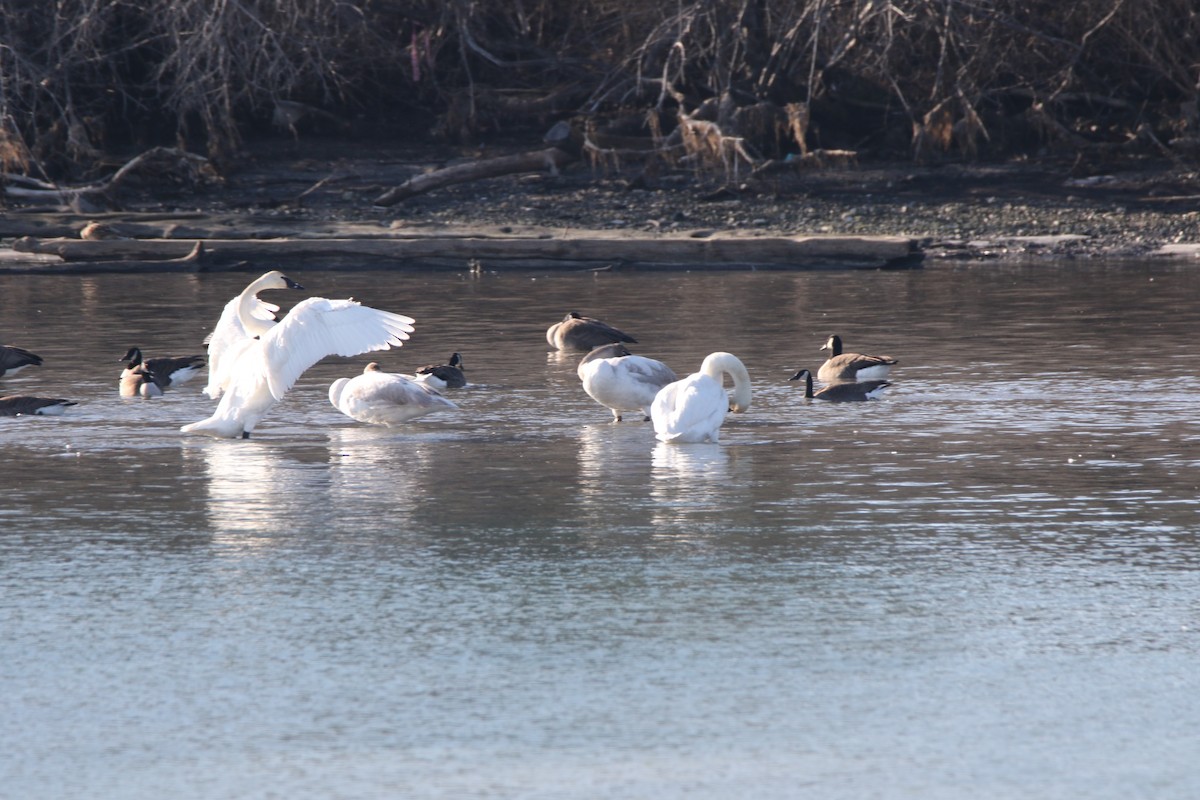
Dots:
(244, 317)
(577, 332)
(384, 398)
(620, 381)
(692, 409)
(263, 369)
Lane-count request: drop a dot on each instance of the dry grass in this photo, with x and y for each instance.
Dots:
(739, 80)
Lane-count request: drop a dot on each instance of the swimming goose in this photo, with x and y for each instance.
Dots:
(262, 370)
(384, 398)
(842, 392)
(15, 359)
(139, 383)
(244, 317)
(577, 332)
(852, 367)
(16, 405)
(693, 409)
(443, 376)
(166, 371)
(620, 381)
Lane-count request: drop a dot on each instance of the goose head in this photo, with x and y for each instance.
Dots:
(834, 345)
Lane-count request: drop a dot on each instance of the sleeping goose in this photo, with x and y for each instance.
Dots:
(17, 405)
(852, 367)
(620, 381)
(15, 359)
(443, 376)
(244, 317)
(262, 370)
(841, 392)
(166, 371)
(693, 409)
(577, 332)
(384, 398)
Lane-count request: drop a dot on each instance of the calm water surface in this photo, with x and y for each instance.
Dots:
(986, 584)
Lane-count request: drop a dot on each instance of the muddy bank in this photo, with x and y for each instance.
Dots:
(976, 211)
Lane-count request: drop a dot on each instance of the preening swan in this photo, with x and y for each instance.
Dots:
(263, 369)
(577, 332)
(384, 398)
(166, 371)
(443, 376)
(692, 409)
(852, 367)
(620, 381)
(17, 405)
(244, 317)
(842, 392)
(15, 359)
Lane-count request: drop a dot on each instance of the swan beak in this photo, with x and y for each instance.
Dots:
(291, 284)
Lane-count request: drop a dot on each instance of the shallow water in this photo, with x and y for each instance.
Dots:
(984, 584)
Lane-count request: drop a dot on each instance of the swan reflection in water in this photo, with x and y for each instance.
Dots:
(689, 485)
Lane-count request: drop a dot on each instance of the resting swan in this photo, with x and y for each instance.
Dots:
(692, 409)
(244, 317)
(384, 398)
(263, 369)
(577, 332)
(620, 381)
(841, 392)
(166, 371)
(852, 367)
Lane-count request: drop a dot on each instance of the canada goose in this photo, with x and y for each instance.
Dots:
(444, 376)
(620, 381)
(244, 317)
(139, 383)
(15, 359)
(262, 370)
(852, 367)
(693, 409)
(17, 405)
(842, 392)
(166, 371)
(385, 398)
(577, 332)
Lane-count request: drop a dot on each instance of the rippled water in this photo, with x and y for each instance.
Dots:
(984, 585)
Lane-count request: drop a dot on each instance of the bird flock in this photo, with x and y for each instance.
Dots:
(254, 357)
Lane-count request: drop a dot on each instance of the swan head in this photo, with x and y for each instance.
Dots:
(717, 366)
(276, 280)
(372, 367)
(833, 344)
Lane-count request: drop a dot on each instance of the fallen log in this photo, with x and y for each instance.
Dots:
(551, 159)
(549, 249)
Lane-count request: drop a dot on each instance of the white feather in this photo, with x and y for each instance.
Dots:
(693, 409)
(244, 317)
(624, 383)
(385, 398)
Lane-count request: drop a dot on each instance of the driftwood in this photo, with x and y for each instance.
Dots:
(551, 159)
(160, 163)
(543, 250)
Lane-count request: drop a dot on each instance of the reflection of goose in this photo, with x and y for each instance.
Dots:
(167, 372)
(692, 409)
(263, 369)
(15, 359)
(384, 398)
(244, 317)
(443, 376)
(852, 367)
(842, 392)
(139, 383)
(619, 380)
(577, 332)
(17, 405)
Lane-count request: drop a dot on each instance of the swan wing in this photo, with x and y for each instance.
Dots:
(318, 327)
(689, 410)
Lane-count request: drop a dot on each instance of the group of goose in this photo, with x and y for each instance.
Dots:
(254, 358)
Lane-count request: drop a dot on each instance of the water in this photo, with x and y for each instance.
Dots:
(985, 584)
